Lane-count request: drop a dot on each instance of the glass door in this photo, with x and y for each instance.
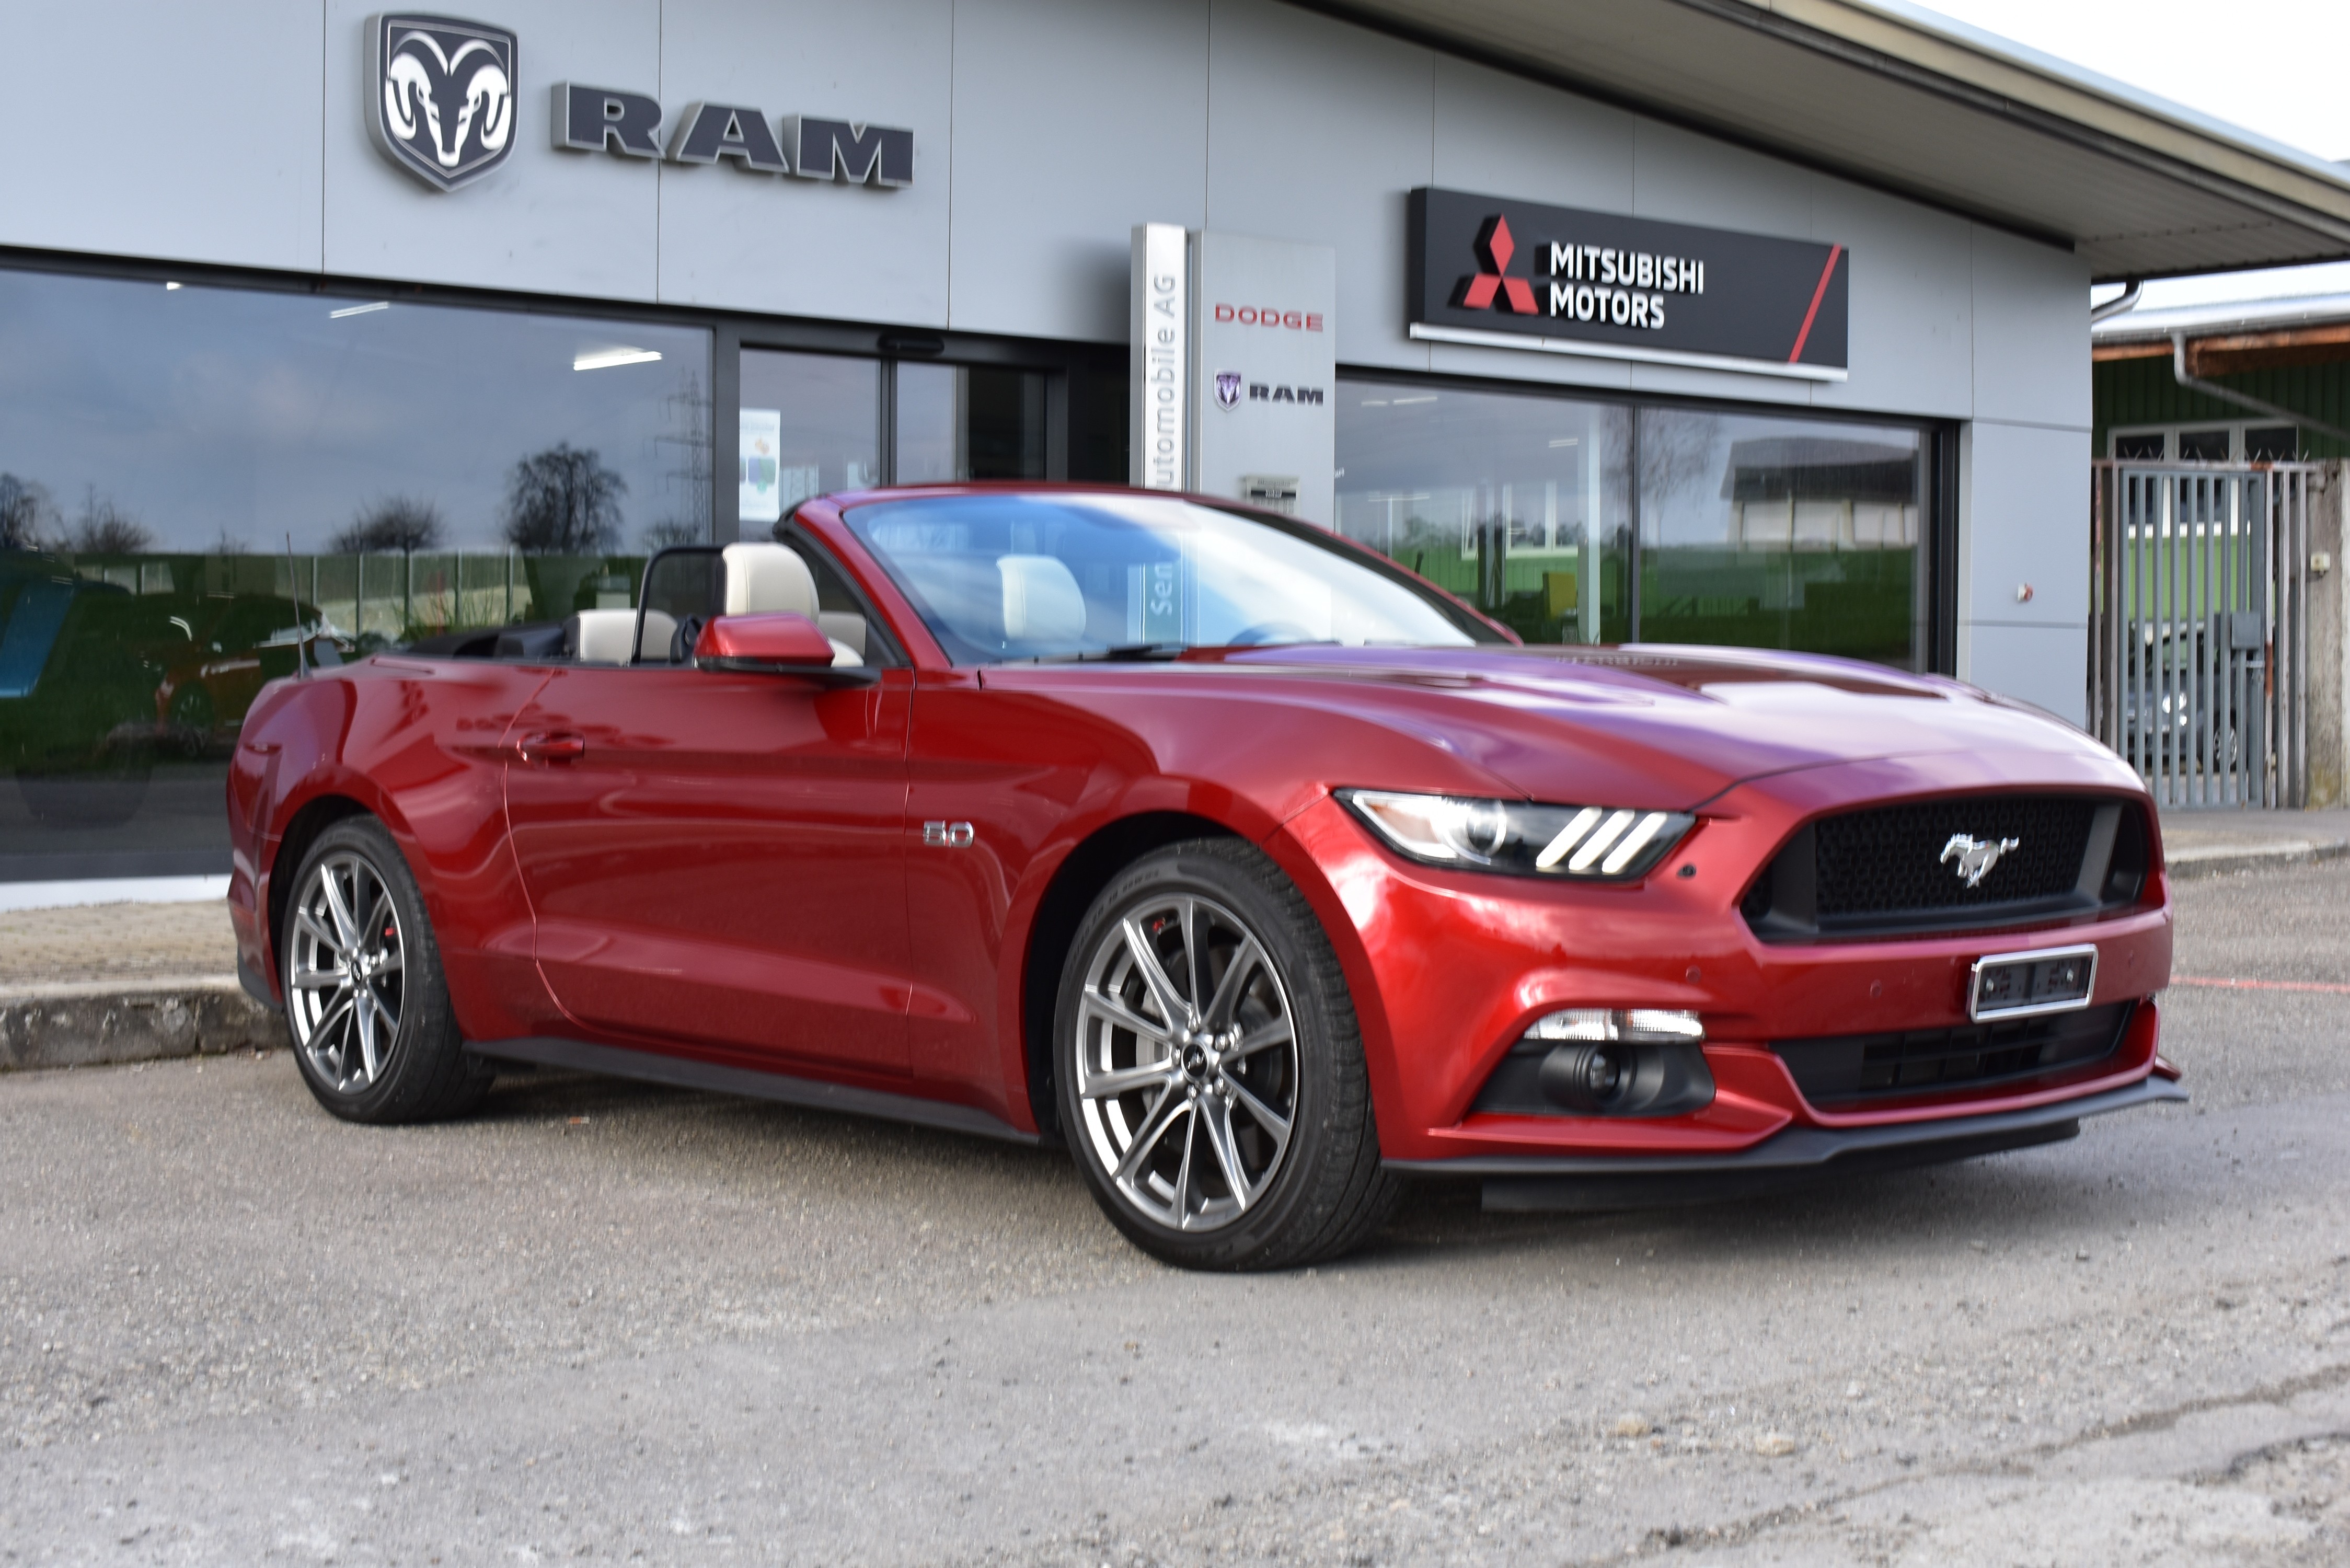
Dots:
(809, 423)
(966, 421)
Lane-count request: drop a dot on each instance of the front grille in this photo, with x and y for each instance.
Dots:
(1903, 869)
(1877, 862)
(1844, 1069)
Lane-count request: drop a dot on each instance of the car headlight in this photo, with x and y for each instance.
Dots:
(1584, 842)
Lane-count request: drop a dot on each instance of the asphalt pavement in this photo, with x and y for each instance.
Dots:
(604, 1322)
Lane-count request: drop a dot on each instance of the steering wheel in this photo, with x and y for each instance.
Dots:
(1266, 631)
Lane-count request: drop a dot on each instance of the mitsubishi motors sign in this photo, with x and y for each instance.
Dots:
(1513, 275)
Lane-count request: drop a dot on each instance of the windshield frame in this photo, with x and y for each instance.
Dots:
(1481, 630)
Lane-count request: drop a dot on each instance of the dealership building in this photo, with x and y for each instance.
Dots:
(1672, 320)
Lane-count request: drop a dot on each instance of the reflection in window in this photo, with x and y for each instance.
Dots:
(1516, 503)
(1773, 532)
(1755, 530)
(811, 423)
(205, 420)
(968, 421)
(200, 485)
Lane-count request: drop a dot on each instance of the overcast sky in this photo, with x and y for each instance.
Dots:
(2274, 67)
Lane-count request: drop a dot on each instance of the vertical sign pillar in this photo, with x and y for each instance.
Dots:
(1264, 373)
(1160, 395)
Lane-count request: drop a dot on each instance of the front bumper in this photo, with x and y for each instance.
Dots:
(1449, 970)
(1790, 1157)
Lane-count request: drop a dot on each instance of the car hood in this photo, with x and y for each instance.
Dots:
(1685, 722)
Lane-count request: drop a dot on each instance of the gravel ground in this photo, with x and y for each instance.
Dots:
(116, 942)
(603, 1320)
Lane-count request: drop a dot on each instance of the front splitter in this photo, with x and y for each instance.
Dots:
(1792, 1157)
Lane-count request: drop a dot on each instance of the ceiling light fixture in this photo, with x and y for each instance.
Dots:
(604, 359)
(357, 309)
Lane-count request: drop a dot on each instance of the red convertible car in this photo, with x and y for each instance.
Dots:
(1243, 863)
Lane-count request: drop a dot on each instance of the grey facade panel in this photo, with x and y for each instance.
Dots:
(2031, 333)
(1074, 120)
(545, 221)
(774, 244)
(203, 148)
(1315, 131)
(1913, 319)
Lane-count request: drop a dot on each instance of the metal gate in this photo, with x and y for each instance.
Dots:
(2199, 629)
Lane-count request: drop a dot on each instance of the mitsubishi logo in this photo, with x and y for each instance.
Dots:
(1976, 857)
(1494, 248)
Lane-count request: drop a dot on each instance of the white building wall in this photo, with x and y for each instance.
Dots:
(1044, 129)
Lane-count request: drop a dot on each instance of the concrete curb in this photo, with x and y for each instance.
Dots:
(86, 1023)
(2224, 859)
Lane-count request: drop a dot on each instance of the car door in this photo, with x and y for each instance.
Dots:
(717, 860)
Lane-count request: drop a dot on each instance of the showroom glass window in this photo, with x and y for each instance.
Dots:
(164, 449)
(814, 423)
(1581, 521)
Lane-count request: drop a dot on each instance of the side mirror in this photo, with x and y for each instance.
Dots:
(776, 644)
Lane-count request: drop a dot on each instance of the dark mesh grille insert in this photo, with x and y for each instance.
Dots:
(1848, 1067)
(1889, 859)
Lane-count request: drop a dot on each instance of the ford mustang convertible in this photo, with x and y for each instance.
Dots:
(1246, 865)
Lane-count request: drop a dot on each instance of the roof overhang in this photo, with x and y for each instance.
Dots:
(2232, 337)
(1902, 99)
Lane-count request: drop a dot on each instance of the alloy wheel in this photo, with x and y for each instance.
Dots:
(345, 973)
(1187, 1063)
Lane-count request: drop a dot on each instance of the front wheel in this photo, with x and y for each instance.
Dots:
(374, 1032)
(1209, 1067)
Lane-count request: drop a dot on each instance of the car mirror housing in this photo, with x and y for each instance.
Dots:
(779, 643)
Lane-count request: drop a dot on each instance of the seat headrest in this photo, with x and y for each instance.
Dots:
(767, 579)
(600, 636)
(1042, 601)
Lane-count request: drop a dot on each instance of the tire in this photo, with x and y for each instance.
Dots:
(386, 1049)
(90, 797)
(1177, 1130)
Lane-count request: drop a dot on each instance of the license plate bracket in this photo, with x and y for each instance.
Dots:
(2027, 984)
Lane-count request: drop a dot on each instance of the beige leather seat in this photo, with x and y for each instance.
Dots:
(600, 636)
(1042, 601)
(770, 579)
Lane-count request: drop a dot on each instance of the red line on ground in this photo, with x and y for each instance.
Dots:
(2260, 984)
(1819, 291)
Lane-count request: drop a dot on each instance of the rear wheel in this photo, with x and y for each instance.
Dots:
(1209, 1067)
(374, 1032)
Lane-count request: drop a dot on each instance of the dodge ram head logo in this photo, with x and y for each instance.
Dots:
(441, 94)
(1976, 857)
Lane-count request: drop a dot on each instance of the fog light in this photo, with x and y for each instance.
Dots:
(1587, 1077)
(1642, 1025)
(1620, 1061)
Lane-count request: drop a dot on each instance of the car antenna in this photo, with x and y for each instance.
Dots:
(293, 592)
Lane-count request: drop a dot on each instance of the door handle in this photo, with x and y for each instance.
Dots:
(557, 747)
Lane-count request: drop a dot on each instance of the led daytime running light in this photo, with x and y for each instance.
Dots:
(1636, 1025)
(1588, 842)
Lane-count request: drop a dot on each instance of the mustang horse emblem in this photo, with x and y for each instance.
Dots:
(443, 96)
(1976, 857)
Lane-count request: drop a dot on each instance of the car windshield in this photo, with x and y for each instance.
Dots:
(1004, 577)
